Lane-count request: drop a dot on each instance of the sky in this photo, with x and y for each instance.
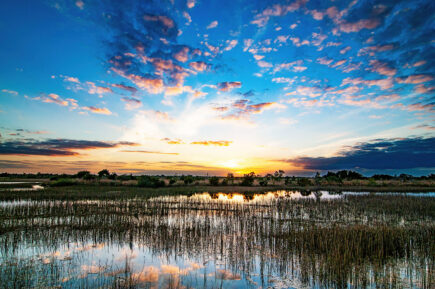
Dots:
(211, 87)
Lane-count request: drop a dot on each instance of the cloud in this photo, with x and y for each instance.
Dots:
(359, 25)
(346, 49)
(414, 79)
(366, 102)
(247, 43)
(310, 91)
(172, 141)
(262, 18)
(13, 92)
(131, 103)
(421, 88)
(150, 84)
(325, 60)
(382, 68)
(96, 89)
(227, 86)
(383, 84)
(71, 79)
(54, 98)
(425, 127)
(148, 152)
(80, 4)
(97, 110)
(372, 49)
(241, 109)
(404, 153)
(55, 147)
(183, 54)
(303, 101)
(213, 24)
(230, 44)
(190, 3)
(212, 142)
(131, 89)
(199, 65)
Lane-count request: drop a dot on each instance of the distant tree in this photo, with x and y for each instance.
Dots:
(303, 182)
(230, 178)
(83, 174)
(287, 181)
(214, 181)
(89, 177)
(224, 182)
(187, 179)
(248, 179)
(277, 176)
(317, 178)
(263, 182)
(104, 173)
(112, 176)
(405, 177)
(354, 175)
(172, 181)
(382, 177)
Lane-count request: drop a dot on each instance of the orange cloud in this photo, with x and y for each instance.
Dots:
(199, 65)
(54, 98)
(172, 141)
(359, 25)
(414, 79)
(97, 110)
(183, 54)
(211, 142)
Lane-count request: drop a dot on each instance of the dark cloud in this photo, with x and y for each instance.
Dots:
(54, 147)
(379, 154)
(228, 85)
(131, 89)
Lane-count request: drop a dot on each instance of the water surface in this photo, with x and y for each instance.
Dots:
(281, 239)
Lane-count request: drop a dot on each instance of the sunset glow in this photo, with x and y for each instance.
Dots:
(212, 87)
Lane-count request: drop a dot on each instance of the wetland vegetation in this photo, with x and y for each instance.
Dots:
(93, 236)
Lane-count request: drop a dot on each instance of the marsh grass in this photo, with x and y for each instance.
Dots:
(370, 240)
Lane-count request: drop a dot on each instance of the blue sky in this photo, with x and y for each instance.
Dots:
(217, 86)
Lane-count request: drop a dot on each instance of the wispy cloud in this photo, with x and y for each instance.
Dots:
(97, 110)
(224, 143)
(212, 25)
(55, 147)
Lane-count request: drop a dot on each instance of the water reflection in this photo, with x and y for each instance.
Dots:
(278, 239)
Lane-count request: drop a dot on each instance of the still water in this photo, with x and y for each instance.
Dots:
(282, 239)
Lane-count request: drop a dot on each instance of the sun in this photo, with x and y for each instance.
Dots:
(232, 164)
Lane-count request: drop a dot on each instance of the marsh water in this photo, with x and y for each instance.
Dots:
(279, 239)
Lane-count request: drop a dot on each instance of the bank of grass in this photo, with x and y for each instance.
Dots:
(73, 191)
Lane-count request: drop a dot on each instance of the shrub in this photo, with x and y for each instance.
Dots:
(150, 182)
(63, 182)
(187, 179)
(263, 182)
(214, 181)
(304, 182)
(248, 179)
(83, 174)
